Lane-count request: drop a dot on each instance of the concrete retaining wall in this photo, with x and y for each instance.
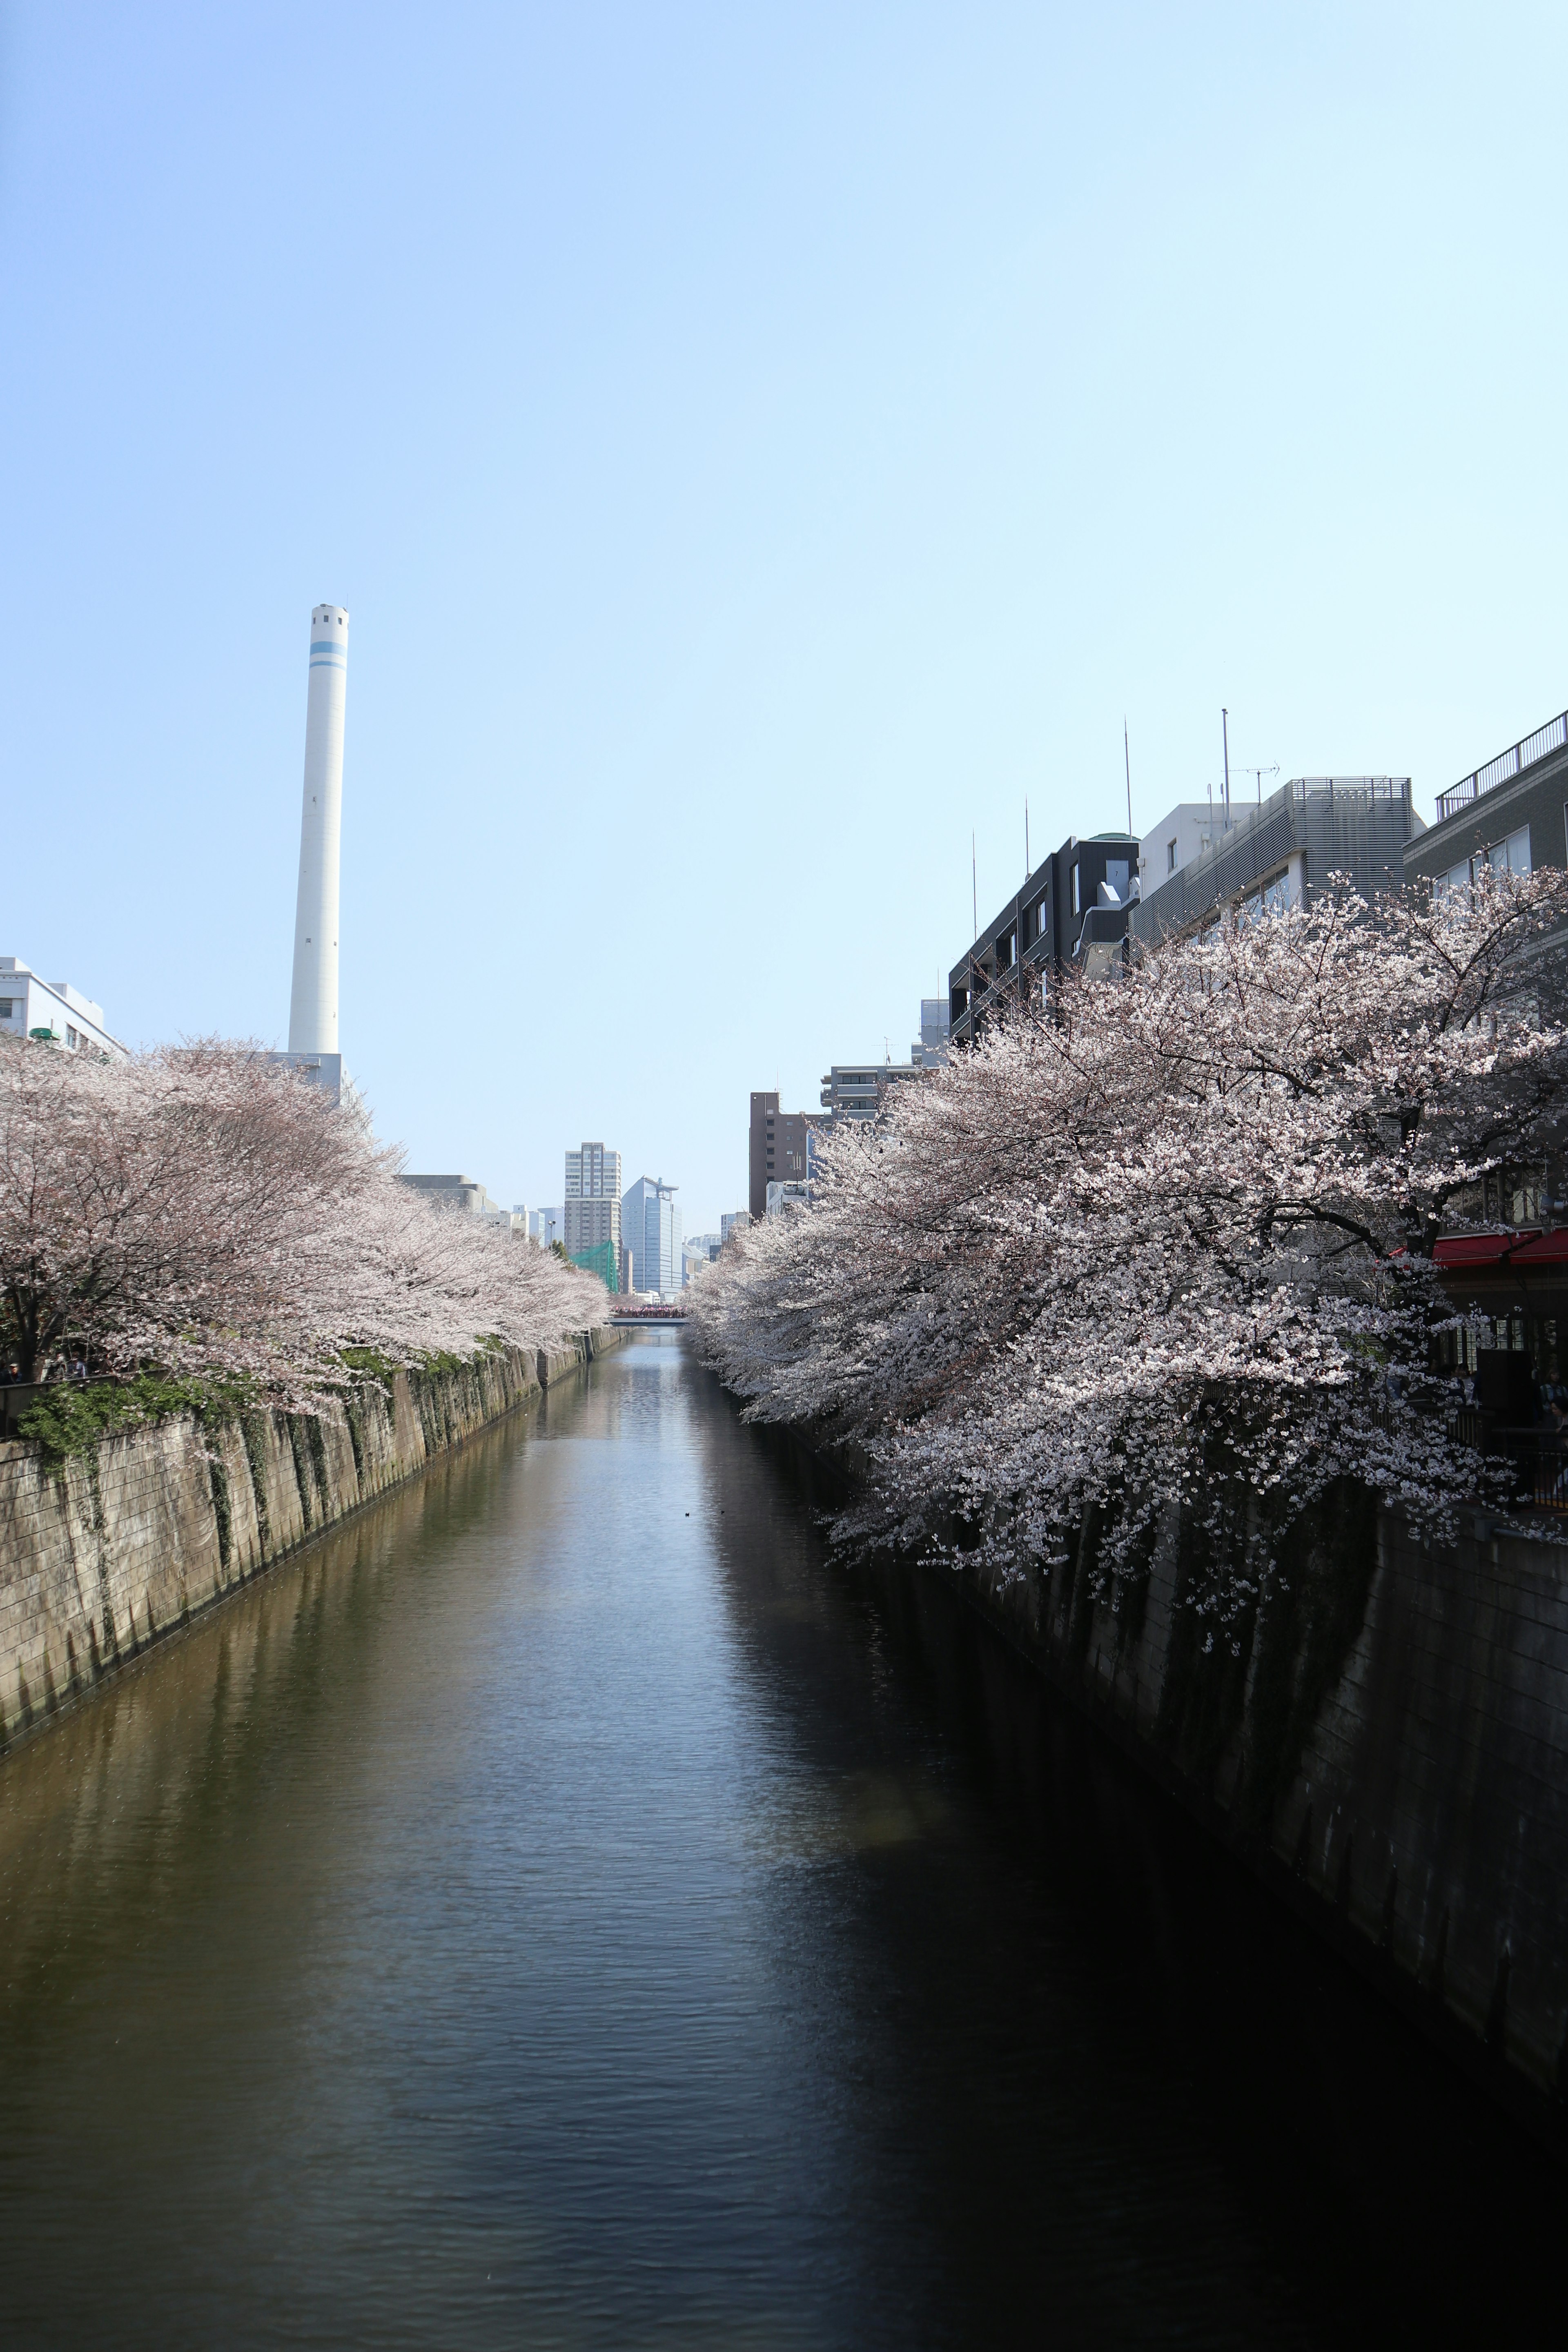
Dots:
(1386, 1748)
(1389, 1750)
(125, 1544)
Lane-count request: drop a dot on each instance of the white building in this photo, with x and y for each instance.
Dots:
(466, 1194)
(733, 1220)
(1190, 830)
(547, 1226)
(696, 1252)
(791, 1195)
(31, 1007)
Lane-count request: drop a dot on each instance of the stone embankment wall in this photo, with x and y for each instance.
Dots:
(126, 1544)
(1387, 1744)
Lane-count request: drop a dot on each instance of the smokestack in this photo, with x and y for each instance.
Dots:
(313, 1006)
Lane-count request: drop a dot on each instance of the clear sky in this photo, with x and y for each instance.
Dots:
(756, 447)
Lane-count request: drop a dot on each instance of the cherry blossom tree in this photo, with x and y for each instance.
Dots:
(1166, 1242)
(203, 1210)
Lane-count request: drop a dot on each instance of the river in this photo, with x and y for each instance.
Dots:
(564, 1908)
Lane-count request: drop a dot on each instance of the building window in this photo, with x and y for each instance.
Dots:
(1510, 857)
(70, 1034)
(7, 1008)
(1076, 907)
(1171, 850)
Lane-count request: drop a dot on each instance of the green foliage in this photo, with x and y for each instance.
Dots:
(68, 1420)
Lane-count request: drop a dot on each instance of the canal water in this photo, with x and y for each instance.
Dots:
(566, 1909)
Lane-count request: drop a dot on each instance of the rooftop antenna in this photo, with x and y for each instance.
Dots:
(974, 888)
(1260, 773)
(1026, 836)
(1224, 736)
(1127, 763)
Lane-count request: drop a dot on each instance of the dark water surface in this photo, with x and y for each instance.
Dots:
(563, 1910)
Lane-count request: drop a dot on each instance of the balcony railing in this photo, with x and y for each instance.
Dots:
(1303, 789)
(1505, 767)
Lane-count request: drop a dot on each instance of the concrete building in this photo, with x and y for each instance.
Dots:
(786, 1196)
(1181, 838)
(733, 1220)
(650, 1223)
(701, 1250)
(1512, 812)
(547, 1226)
(592, 1211)
(313, 1004)
(776, 1147)
(1071, 911)
(1280, 853)
(323, 1070)
(45, 1009)
(464, 1193)
(856, 1089)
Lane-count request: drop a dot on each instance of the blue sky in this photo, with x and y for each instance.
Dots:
(755, 447)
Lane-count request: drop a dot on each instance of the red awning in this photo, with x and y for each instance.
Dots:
(1474, 1249)
(1542, 1249)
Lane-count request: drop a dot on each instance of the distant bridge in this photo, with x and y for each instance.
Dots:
(629, 1317)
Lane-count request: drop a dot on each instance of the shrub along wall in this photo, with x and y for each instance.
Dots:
(110, 1549)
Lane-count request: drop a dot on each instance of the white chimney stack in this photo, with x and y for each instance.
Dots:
(313, 1007)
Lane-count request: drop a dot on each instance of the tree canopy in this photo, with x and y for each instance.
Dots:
(1167, 1240)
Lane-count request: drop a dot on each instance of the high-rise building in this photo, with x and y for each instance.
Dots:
(929, 1051)
(733, 1221)
(592, 1206)
(650, 1223)
(777, 1150)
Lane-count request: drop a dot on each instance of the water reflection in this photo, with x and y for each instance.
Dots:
(562, 1909)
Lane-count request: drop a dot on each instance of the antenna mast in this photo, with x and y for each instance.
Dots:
(1127, 763)
(974, 888)
(1224, 736)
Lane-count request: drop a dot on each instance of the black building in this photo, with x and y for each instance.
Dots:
(1072, 910)
(1512, 812)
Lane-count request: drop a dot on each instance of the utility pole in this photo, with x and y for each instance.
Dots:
(1127, 763)
(1225, 735)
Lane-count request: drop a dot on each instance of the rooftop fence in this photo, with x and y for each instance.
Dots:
(1505, 767)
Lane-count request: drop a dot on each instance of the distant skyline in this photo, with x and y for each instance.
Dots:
(756, 451)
